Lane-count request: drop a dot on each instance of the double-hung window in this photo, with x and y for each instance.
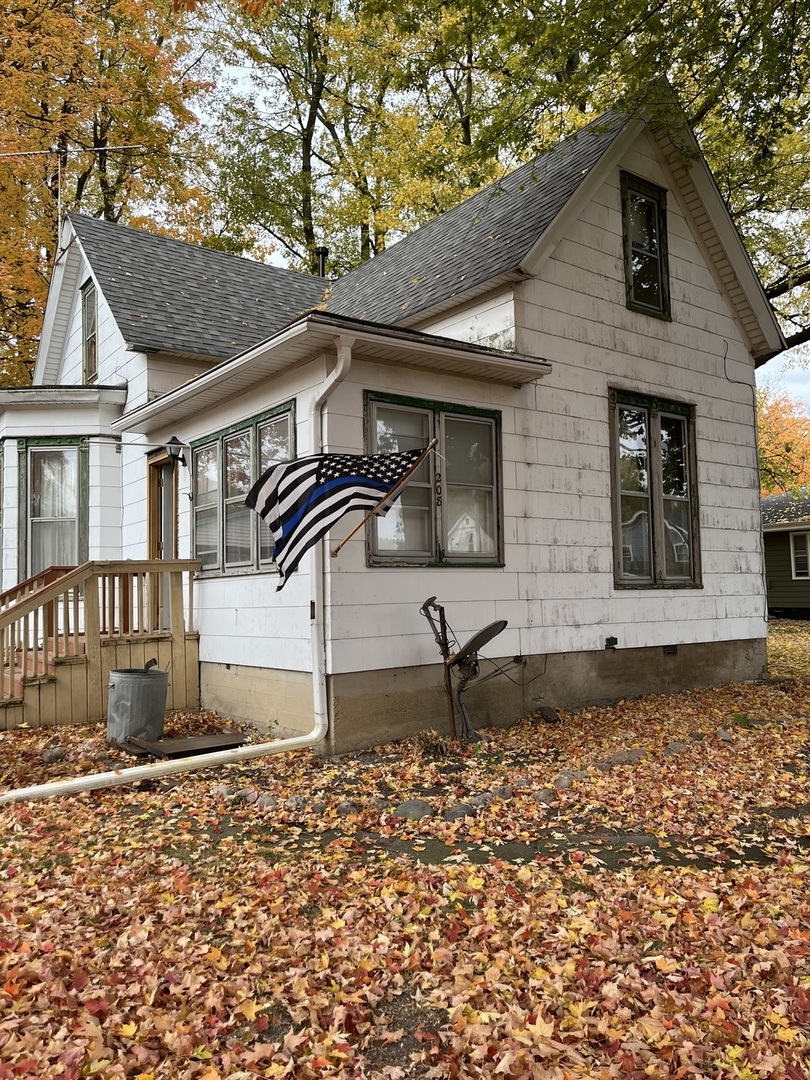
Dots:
(646, 264)
(654, 492)
(800, 555)
(449, 512)
(228, 535)
(89, 332)
(55, 476)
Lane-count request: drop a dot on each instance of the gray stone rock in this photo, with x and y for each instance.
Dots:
(483, 799)
(52, 755)
(221, 791)
(723, 735)
(698, 736)
(523, 782)
(414, 809)
(266, 802)
(675, 747)
(460, 810)
(503, 791)
(562, 781)
(621, 757)
(548, 715)
(318, 807)
(295, 802)
(248, 795)
(345, 808)
(545, 796)
(379, 803)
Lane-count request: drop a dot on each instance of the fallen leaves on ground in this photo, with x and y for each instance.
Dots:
(189, 928)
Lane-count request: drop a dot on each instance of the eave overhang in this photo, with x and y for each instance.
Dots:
(62, 397)
(319, 332)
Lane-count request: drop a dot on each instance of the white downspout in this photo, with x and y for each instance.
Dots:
(159, 769)
(317, 567)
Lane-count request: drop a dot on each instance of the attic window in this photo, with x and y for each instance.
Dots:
(646, 266)
(89, 332)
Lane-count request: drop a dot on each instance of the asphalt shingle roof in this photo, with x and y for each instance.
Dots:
(172, 296)
(487, 235)
(168, 295)
(786, 509)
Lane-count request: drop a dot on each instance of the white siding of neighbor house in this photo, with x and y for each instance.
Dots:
(557, 589)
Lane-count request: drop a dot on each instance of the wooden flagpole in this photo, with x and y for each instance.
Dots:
(391, 494)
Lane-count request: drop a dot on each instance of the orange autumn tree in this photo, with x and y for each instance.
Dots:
(784, 441)
(78, 80)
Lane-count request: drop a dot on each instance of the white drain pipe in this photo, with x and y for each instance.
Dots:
(158, 769)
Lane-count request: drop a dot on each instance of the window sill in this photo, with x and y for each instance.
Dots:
(656, 586)
(377, 563)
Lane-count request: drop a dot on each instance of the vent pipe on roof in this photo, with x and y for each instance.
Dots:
(321, 254)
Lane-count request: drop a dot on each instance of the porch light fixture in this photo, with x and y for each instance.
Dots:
(174, 448)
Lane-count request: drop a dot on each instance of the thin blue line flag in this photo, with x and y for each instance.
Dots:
(302, 499)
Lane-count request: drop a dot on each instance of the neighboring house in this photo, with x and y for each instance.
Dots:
(786, 529)
(581, 337)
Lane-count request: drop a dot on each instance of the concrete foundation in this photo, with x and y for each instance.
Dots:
(371, 707)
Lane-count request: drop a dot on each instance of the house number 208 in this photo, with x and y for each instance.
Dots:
(438, 489)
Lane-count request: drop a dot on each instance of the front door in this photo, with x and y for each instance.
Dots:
(161, 531)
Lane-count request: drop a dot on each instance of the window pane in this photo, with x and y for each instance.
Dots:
(801, 563)
(646, 280)
(468, 449)
(206, 476)
(633, 466)
(643, 223)
(206, 536)
(238, 534)
(470, 517)
(274, 442)
(677, 539)
(237, 465)
(635, 537)
(397, 430)
(274, 445)
(674, 478)
(54, 483)
(407, 527)
(53, 543)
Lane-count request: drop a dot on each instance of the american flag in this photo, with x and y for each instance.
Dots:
(302, 499)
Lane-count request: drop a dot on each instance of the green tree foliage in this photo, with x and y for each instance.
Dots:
(384, 113)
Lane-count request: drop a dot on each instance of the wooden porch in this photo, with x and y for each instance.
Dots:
(62, 632)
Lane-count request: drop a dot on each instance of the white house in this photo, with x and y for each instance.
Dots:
(581, 337)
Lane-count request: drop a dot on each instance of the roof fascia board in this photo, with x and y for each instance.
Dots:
(339, 328)
(800, 525)
(52, 342)
(735, 249)
(40, 397)
(562, 223)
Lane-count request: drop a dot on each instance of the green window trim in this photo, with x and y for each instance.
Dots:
(225, 535)
(466, 487)
(646, 249)
(656, 534)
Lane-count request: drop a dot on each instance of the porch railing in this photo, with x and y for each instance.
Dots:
(70, 612)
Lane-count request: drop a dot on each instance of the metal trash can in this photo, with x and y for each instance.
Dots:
(137, 704)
